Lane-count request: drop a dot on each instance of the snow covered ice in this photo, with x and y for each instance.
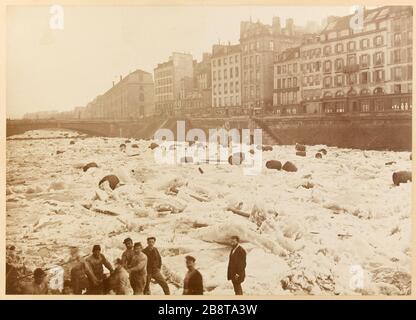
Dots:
(336, 226)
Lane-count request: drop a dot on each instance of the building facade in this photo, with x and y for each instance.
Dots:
(343, 70)
(343, 67)
(370, 68)
(226, 76)
(203, 82)
(400, 49)
(260, 45)
(168, 77)
(286, 95)
(311, 75)
(130, 98)
(195, 92)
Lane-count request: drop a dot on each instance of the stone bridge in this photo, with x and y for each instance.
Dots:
(135, 129)
(377, 131)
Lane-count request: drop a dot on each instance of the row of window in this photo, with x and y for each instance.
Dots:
(280, 98)
(350, 79)
(163, 82)
(364, 44)
(259, 45)
(225, 60)
(225, 72)
(397, 56)
(233, 87)
(251, 92)
(311, 53)
(162, 90)
(227, 101)
(398, 39)
(286, 83)
(364, 62)
(286, 68)
(403, 23)
(402, 38)
(311, 80)
(397, 74)
(396, 88)
(251, 76)
(366, 106)
(310, 67)
(364, 91)
(401, 55)
(378, 41)
(250, 60)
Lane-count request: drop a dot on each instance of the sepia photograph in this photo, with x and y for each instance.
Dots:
(208, 150)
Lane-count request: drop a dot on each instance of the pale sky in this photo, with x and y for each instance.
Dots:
(60, 69)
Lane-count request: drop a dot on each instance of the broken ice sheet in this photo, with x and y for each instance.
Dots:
(298, 240)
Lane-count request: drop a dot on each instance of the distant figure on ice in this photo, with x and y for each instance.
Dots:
(79, 271)
(137, 270)
(120, 282)
(128, 254)
(96, 263)
(154, 264)
(237, 265)
(39, 284)
(192, 284)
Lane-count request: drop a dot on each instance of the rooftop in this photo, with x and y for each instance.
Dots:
(221, 50)
(371, 15)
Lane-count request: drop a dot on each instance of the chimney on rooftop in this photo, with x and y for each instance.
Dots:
(276, 25)
(289, 27)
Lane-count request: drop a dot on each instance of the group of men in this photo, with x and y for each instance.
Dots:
(133, 272)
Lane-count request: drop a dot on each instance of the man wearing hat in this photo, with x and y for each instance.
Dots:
(137, 269)
(128, 253)
(237, 265)
(192, 283)
(95, 270)
(154, 264)
(39, 284)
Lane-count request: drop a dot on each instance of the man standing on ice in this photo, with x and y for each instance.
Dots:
(192, 284)
(128, 254)
(137, 270)
(120, 282)
(39, 284)
(154, 264)
(237, 265)
(79, 272)
(96, 263)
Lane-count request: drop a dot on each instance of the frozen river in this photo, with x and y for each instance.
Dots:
(336, 226)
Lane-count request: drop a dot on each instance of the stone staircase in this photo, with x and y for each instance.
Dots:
(269, 137)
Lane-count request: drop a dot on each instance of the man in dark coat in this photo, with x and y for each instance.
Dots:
(237, 265)
(192, 284)
(154, 264)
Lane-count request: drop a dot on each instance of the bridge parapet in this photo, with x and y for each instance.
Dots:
(384, 130)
